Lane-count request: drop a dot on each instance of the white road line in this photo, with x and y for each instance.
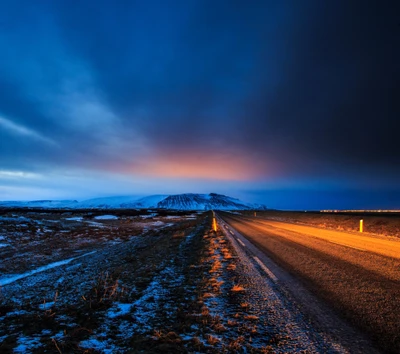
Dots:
(240, 241)
(231, 232)
(265, 269)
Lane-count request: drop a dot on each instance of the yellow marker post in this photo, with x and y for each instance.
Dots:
(214, 225)
(361, 225)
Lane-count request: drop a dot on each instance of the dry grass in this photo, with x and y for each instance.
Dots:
(236, 344)
(205, 311)
(178, 234)
(219, 328)
(216, 284)
(208, 295)
(226, 254)
(105, 290)
(217, 265)
(196, 342)
(231, 266)
(267, 350)
(212, 340)
(232, 323)
(237, 288)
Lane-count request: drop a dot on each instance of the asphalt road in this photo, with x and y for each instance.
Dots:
(357, 275)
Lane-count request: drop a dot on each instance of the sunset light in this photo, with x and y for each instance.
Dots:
(198, 176)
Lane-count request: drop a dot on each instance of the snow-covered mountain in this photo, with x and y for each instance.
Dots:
(41, 204)
(189, 201)
(202, 202)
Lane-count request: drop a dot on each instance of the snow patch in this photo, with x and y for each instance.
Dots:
(119, 309)
(106, 217)
(75, 218)
(46, 305)
(11, 279)
(26, 344)
(97, 345)
(152, 215)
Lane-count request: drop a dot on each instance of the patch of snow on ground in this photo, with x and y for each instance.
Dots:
(96, 224)
(26, 344)
(148, 216)
(96, 344)
(106, 217)
(17, 313)
(19, 218)
(75, 218)
(4, 245)
(11, 279)
(46, 305)
(144, 310)
(119, 309)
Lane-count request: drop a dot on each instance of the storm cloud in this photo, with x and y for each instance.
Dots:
(257, 93)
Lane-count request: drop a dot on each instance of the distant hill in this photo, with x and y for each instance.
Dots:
(189, 201)
(202, 202)
(41, 204)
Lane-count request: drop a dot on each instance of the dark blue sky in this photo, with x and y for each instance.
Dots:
(292, 103)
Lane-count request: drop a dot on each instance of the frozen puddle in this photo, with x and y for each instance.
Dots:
(11, 279)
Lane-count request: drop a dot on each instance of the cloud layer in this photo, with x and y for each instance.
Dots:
(255, 93)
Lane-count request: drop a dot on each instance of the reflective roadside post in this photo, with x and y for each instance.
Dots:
(361, 225)
(214, 225)
(255, 213)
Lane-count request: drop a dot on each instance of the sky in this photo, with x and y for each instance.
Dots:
(294, 104)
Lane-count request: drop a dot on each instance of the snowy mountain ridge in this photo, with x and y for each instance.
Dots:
(188, 201)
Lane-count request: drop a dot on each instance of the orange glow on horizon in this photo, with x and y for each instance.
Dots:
(207, 167)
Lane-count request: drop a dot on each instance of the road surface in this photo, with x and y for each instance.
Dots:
(356, 275)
